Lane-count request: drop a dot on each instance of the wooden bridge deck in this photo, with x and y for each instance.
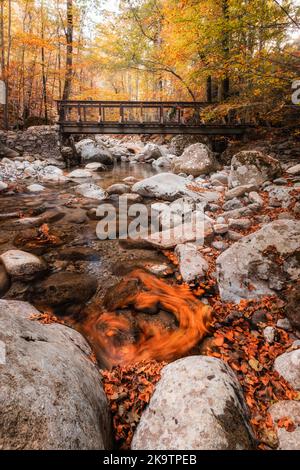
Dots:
(137, 117)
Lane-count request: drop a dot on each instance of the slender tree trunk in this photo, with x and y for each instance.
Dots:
(209, 89)
(69, 58)
(225, 85)
(44, 80)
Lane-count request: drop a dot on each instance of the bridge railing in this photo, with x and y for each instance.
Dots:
(131, 112)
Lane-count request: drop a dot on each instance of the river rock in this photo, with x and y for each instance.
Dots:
(80, 173)
(4, 281)
(239, 191)
(63, 289)
(3, 186)
(197, 405)
(165, 186)
(91, 191)
(118, 188)
(288, 366)
(22, 265)
(196, 160)
(294, 170)
(95, 166)
(252, 167)
(35, 188)
(188, 232)
(51, 395)
(91, 151)
(149, 153)
(279, 196)
(292, 308)
(287, 439)
(53, 174)
(232, 204)
(253, 262)
(192, 265)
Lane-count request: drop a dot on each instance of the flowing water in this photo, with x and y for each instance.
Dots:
(151, 319)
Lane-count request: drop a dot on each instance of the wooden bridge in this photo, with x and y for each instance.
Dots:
(138, 117)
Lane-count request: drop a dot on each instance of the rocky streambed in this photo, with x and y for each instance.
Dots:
(60, 282)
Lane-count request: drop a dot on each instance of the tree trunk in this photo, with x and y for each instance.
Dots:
(209, 89)
(69, 58)
(44, 80)
(225, 85)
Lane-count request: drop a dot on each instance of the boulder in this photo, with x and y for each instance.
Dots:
(149, 153)
(163, 162)
(188, 232)
(95, 166)
(288, 366)
(63, 289)
(22, 265)
(197, 405)
(180, 142)
(250, 269)
(165, 186)
(35, 188)
(118, 188)
(53, 174)
(192, 265)
(6, 152)
(80, 173)
(294, 170)
(252, 167)
(240, 191)
(287, 439)
(51, 395)
(196, 160)
(292, 308)
(280, 196)
(91, 151)
(91, 191)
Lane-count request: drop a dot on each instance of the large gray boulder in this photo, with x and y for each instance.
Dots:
(149, 153)
(165, 186)
(51, 395)
(197, 405)
(250, 269)
(252, 167)
(91, 151)
(196, 160)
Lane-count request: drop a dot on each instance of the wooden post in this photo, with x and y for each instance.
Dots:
(161, 114)
(141, 115)
(121, 114)
(100, 119)
(78, 113)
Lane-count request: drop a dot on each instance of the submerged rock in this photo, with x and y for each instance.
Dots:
(63, 289)
(197, 405)
(22, 265)
(51, 395)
